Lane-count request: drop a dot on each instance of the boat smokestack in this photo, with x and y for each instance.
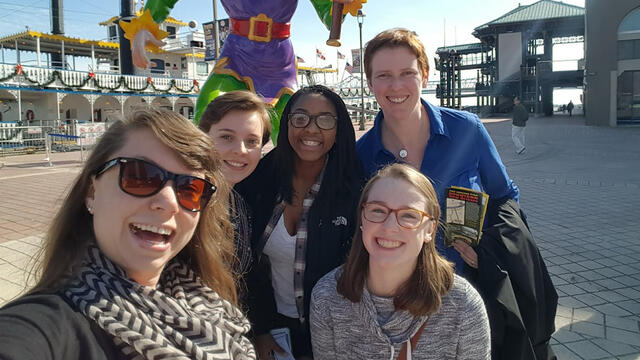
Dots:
(57, 18)
(57, 28)
(127, 12)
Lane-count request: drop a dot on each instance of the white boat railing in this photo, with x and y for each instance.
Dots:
(34, 76)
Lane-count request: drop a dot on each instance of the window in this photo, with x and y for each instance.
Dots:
(629, 36)
(629, 96)
(631, 22)
(202, 68)
(628, 49)
(113, 33)
(625, 49)
(172, 32)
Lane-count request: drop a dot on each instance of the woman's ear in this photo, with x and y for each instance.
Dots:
(89, 199)
(430, 231)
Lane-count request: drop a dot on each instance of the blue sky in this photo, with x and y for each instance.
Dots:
(426, 17)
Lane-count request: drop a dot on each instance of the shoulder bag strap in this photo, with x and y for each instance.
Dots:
(414, 340)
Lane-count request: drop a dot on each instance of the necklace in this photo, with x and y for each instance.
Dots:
(403, 153)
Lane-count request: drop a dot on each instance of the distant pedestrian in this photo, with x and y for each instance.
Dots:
(570, 107)
(520, 117)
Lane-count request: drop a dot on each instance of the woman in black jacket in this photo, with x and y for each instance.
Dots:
(304, 195)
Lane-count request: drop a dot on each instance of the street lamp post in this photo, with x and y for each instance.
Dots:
(216, 35)
(360, 18)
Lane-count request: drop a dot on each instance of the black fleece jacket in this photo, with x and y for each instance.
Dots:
(328, 237)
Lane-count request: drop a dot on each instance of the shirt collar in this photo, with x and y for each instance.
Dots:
(437, 127)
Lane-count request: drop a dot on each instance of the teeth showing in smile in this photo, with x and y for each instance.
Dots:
(234, 164)
(151, 228)
(388, 244)
(310, 142)
(397, 100)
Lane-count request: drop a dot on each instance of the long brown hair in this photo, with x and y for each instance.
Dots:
(433, 276)
(210, 250)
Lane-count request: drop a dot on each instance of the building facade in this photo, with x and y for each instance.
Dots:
(612, 68)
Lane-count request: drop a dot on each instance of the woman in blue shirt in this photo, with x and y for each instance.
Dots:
(450, 147)
(453, 148)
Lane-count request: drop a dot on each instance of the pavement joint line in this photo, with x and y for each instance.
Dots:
(16, 250)
(52, 171)
(11, 264)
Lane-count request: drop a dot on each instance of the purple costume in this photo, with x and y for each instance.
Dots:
(268, 68)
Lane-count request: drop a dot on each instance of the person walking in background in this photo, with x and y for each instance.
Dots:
(396, 294)
(570, 107)
(520, 117)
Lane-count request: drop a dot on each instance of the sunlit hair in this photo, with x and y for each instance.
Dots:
(393, 38)
(433, 276)
(240, 100)
(210, 250)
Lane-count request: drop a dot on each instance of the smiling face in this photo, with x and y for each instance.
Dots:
(238, 139)
(311, 143)
(141, 234)
(396, 81)
(390, 246)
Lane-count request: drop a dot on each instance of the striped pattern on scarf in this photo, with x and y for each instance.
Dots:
(180, 319)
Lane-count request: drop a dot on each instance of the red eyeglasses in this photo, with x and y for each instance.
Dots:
(141, 178)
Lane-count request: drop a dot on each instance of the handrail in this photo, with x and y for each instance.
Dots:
(25, 75)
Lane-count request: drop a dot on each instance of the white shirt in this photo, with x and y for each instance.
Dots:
(281, 250)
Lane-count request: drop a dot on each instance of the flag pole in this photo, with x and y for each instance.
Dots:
(337, 64)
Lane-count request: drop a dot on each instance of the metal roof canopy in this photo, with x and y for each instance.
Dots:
(563, 19)
(27, 41)
(463, 49)
(169, 20)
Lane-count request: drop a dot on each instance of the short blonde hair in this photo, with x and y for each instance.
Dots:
(392, 38)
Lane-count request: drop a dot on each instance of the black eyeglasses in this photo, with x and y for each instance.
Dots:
(141, 178)
(407, 218)
(323, 121)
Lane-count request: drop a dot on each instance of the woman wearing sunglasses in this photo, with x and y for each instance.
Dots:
(136, 261)
(396, 297)
(239, 124)
(303, 195)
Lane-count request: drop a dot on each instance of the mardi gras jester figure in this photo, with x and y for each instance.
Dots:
(257, 55)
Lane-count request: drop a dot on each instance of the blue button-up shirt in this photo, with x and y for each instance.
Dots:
(460, 152)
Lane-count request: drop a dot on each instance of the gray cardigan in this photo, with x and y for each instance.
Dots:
(341, 329)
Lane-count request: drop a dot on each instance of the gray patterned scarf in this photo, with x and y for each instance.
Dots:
(181, 319)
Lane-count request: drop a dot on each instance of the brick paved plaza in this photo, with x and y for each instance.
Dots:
(580, 188)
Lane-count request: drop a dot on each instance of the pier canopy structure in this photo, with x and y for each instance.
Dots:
(514, 58)
(451, 61)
